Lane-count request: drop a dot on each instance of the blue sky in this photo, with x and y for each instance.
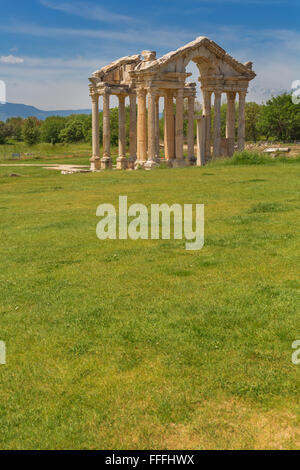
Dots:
(49, 48)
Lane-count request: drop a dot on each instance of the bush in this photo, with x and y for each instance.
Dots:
(73, 132)
(280, 118)
(31, 131)
(249, 158)
(3, 132)
(255, 158)
(14, 128)
(51, 129)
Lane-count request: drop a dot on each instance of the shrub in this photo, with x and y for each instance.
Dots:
(31, 131)
(249, 158)
(51, 129)
(3, 132)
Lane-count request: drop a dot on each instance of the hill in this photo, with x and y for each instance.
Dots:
(22, 110)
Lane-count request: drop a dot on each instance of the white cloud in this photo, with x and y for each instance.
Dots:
(275, 54)
(11, 59)
(50, 82)
(88, 11)
(161, 38)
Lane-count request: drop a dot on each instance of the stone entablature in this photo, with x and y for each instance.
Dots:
(145, 78)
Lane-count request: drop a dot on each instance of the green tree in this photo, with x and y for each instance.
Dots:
(31, 130)
(252, 115)
(3, 132)
(280, 118)
(51, 129)
(114, 126)
(73, 131)
(14, 128)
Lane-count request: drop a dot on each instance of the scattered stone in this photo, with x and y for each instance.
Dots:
(13, 175)
(277, 150)
(73, 171)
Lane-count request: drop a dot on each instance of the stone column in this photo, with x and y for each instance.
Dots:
(122, 161)
(169, 126)
(132, 130)
(95, 160)
(201, 140)
(151, 129)
(190, 131)
(179, 161)
(141, 129)
(207, 114)
(106, 159)
(241, 129)
(217, 124)
(157, 130)
(230, 121)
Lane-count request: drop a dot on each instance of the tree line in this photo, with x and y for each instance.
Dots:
(278, 119)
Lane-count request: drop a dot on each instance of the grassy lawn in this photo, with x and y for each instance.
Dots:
(142, 344)
(78, 153)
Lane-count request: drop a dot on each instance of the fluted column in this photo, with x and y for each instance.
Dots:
(151, 129)
(169, 126)
(207, 113)
(241, 129)
(179, 128)
(132, 131)
(190, 131)
(201, 140)
(95, 160)
(230, 121)
(157, 131)
(121, 160)
(106, 159)
(141, 128)
(217, 124)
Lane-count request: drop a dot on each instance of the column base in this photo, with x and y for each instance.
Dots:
(167, 162)
(241, 146)
(139, 164)
(131, 162)
(192, 161)
(95, 163)
(106, 163)
(122, 163)
(231, 144)
(150, 164)
(178, 163)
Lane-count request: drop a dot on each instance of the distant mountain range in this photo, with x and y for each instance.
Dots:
(256, 93)
(22, 110)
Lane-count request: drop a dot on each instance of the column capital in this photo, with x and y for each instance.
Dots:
(152, 91)
(141, 92)
(94, 97)
(206, 91)
(242, 94)
(169, 93)
(231, 95)
(121, 98)
(105, 91)
(179, 93)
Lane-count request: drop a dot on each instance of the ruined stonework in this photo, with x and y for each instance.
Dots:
(144, 79)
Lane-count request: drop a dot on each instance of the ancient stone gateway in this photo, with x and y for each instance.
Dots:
(142, 77)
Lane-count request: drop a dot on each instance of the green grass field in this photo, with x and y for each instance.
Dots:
(142, 344)
(77, 153)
